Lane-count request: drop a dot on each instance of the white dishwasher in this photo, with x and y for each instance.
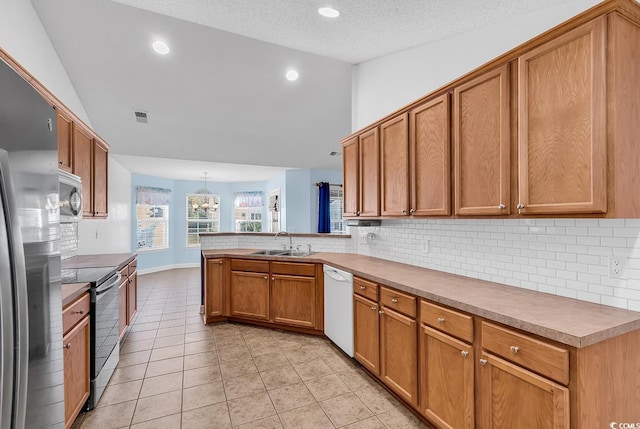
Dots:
(338, 307)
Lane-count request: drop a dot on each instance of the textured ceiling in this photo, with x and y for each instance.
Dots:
(364, 30)
(220, 95)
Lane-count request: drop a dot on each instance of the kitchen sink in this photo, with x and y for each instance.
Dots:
(270, 252)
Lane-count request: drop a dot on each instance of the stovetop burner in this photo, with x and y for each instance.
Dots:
(87, 275)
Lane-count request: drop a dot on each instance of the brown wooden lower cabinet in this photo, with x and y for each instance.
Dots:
(293, 300)
(513, 397)
(76, 342)
(122, 290)
(249, 295)
(366, 337)
(446, 379)
(399, 354)
(280, 293)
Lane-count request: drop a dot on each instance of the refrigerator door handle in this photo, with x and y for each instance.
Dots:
(20, 302)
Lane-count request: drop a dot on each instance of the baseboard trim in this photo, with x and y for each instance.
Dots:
(167, 267)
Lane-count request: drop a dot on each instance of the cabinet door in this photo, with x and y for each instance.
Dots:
(214, 288)
(83, 166)
(122, 290)
(132, 296)
(250, 295)
(100, 179)
(394, 167)
(366, 328)
(562, 138)
(293, 300)
(430, 155)
(369, 168)
(76, 370)
(65, 147)
(512, 397)
(481, 142)
(446, 383)
(399, 354)
(350, 179)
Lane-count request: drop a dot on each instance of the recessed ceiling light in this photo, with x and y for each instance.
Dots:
(328, 12)
(160, 47)
(292, 75)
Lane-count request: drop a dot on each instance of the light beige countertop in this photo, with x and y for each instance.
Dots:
(271, 234)
(71, 291)
(566, 320)
(118, 260)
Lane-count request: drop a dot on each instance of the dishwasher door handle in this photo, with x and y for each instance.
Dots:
(336, 276)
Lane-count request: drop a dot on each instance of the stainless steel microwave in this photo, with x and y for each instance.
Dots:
(70, 197)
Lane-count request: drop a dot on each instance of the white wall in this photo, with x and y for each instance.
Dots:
(111, 235)
(23, 37)
(385, 84)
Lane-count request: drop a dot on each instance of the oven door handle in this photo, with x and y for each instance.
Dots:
(106, 286)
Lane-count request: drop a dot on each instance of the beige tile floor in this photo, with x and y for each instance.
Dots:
(175, 372)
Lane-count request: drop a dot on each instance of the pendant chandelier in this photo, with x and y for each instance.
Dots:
(203, 204)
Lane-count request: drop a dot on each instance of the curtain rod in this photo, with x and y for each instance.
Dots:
(330, 184)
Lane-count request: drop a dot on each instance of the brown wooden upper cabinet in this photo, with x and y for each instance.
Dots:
(562, 136)
(394, 167)
(65, 146)
(429, 157)
(82, 165)
(481, 141)
(100, 178)
(361, 175)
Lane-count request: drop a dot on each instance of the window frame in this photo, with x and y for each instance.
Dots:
(189, 220)
(166, 209)
(336, 220)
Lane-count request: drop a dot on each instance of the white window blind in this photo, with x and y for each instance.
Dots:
(152, 216)
(248, 211)
(335, 210)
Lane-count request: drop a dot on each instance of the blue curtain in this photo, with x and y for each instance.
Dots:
(324, 218)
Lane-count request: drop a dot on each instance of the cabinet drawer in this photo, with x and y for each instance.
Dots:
(74, 312)
(449, 321)
(124, 272)
(293, 268)
(538, 356)
(398, 301)
(365, 288)
(249, 265)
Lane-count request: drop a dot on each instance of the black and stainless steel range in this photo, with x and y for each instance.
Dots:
(104, 324)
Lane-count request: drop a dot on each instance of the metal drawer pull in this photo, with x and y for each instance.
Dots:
(412, 211)
(483, 362)
(514, 349)
(80, 312)
(381, 312)
(374, 308)
(266, 277)
(67, 346)
(363, 287)
(502, 207)
(520, 206)
(464, 353)
(394, 300)
(440, 319)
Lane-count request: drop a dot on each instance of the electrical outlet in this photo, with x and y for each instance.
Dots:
(617, 266)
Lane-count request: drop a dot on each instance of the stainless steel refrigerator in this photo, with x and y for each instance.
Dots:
(31, 359)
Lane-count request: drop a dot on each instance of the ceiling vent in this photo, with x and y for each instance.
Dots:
(141, 117)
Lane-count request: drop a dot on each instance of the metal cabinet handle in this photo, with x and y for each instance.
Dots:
(358, 213)
(374, 308)
(394, 300)
(483, 362)
(464, 353)
(412, 211)
(266, 277)
(520, 206)
(404, 211)
(502, 207)
(381, 312)
(67, 346)
(514, 349)
(273, 278)
(440, 319)
(220, 262)
(59, 162)
(363, 287)
(80, 312)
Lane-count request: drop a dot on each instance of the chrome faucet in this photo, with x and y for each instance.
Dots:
(287, 234)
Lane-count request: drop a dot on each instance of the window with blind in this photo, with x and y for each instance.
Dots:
(248, 211)
(152, 216)
(203, 215)
(335, 210)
